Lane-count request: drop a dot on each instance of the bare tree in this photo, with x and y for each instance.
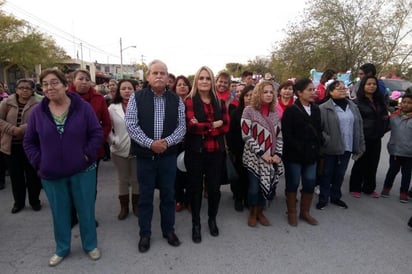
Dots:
(343, 35)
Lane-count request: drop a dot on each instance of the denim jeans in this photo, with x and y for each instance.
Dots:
(159, 172)
(334, 169)
(255, 196)
(293, 174)
(397, 163)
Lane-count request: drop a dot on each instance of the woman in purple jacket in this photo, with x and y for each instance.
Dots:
(61, 142)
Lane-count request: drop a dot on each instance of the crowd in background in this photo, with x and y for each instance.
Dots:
(177, 136)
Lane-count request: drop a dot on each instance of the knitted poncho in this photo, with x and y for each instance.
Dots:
(262, 136)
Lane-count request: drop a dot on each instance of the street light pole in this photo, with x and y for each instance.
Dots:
(121, 56)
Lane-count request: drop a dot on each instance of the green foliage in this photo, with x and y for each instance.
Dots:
(24, 46)
(234, 69)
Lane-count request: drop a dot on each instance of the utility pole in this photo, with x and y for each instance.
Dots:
(81, 54)
(121, 56)
(121, 59)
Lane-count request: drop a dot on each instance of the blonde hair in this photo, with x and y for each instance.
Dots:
(195, 90)
(256, 101)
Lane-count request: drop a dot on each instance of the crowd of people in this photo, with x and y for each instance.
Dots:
(266, 129)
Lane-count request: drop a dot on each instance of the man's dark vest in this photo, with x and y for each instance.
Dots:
(145, 114)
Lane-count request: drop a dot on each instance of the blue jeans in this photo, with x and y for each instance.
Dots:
(78, 190)
(293, 174)
(397, 163)
(334, 169)
(160, 173)
(254, 195)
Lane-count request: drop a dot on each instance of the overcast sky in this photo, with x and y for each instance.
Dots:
(185, 34)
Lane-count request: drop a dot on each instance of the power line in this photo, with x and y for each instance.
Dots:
(51, 29)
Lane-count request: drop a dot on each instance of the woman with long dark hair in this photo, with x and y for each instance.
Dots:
(374, 113)
(120, 143)
(236, 145)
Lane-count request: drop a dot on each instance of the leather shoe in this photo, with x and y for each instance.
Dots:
(16, 209)
(172, 239)
(36, 207)
(144, 244)
(196, 235)
(238, 205)
(214, 231)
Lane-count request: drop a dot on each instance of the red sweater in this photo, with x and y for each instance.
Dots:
(96, 100)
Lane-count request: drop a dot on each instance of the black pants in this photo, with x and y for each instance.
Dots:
(204, 166)
(23, 176)
(363, 175)
(3, 168)
(396, 163)
(241, 186)
(181, 189)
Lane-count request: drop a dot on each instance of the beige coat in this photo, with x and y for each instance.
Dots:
(8, 119)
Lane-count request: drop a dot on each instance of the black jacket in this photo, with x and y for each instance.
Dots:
(375, 118)
(302, 134)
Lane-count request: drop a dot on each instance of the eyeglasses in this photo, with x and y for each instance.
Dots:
(201, 78)
(24, 88)
(52, 84)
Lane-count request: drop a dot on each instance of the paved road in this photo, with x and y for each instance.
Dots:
(370, 237)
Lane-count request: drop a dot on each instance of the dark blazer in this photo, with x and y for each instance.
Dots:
(302, 134)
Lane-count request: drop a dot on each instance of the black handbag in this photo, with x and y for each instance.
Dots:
(231, 172)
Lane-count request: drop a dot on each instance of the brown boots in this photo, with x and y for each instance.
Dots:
(260, 217)
(124, 206)
(135, 203)
(305, 205)
(291, 205)
(255, 215)
(251, 220)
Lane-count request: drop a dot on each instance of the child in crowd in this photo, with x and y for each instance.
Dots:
(399, 148)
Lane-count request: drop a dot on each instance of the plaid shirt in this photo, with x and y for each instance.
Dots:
(205, 128)
(136, 132)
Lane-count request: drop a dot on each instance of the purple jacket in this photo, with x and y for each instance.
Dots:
(56, 155)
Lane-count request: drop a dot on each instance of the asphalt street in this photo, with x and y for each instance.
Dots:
(369, 237)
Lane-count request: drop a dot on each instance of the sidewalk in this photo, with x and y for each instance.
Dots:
(369, 237)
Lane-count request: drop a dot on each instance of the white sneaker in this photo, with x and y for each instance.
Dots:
(317, 190)
(94, 254)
